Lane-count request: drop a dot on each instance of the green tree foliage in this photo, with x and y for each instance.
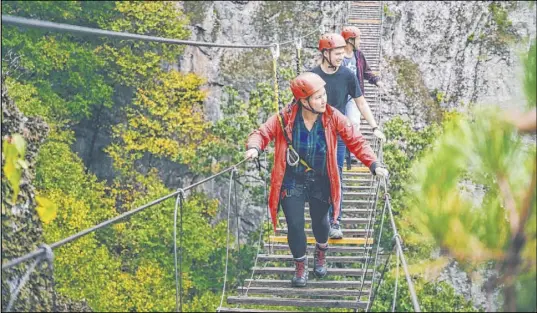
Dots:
(433, 297)
(65, 70)
(165, 120)
(483, 150)
(404, 147)
(480, 153)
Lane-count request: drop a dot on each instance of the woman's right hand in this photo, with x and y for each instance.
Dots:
(252, 154)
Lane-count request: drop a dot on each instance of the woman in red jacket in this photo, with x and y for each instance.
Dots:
(305, 134)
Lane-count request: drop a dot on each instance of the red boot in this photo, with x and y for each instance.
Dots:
(319, 261)
(301, 272)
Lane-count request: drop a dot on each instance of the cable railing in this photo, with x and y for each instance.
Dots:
(45, 251)
(34, 23)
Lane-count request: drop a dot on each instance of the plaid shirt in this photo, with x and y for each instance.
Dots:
(311, 145)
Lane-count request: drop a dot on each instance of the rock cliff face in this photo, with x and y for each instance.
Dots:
(450, 54)
(251, 23)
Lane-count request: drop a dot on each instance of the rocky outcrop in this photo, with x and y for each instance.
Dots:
(451, 54)
(251, 23)
(22, 231)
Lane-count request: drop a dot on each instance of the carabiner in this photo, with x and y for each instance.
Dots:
(292, 157)
(275, 49)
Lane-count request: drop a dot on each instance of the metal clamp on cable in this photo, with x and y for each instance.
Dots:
(258, 163)
(180, 192)
(275, 49)
(292, 157)
(234, 170)
(49, 255)
(49, 258)
(400, 240)
(298, 43)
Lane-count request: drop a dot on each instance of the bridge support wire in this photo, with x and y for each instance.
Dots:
(233, 171)
(178, 281)
(399, 248)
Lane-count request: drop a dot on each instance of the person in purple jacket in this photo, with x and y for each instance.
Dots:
(354, 60)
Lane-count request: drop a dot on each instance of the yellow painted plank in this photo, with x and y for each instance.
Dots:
(358, 169)
(364, 21)
(343, 241)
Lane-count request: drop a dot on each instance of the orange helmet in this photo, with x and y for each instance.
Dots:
(306, 84)
(331, 41)
(350, 32)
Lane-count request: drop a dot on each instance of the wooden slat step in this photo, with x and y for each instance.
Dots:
(331, 271)
(365, 3)
(317, 303)
(310, 292)
(365, 15)
(311, 248)
(224, 309)
(346, 232)
(356, 194)
(348, 220)
(356, 180)
(356, 174)
(329, 258)
(370, 21)
(361, 188)
(311, 240)
(339, 284)
(357, 202)
(349, 211)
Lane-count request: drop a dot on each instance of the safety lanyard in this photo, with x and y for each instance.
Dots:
(292, 156)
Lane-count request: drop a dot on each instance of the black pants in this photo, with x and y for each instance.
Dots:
(315, 190)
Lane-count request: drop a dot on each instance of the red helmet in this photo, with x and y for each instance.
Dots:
(331, 41)
(350, 32)
(306, 84)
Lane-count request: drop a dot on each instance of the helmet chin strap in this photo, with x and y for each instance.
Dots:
(353, 43)
(329, 60)
(311, 109)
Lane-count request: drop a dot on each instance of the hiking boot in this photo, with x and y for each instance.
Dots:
(301, 272)
(319, 261)
(335, 232)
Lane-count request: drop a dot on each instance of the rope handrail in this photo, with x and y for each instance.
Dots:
(22, 21)
(112, 220)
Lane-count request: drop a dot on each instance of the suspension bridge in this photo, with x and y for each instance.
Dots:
(352, 278)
